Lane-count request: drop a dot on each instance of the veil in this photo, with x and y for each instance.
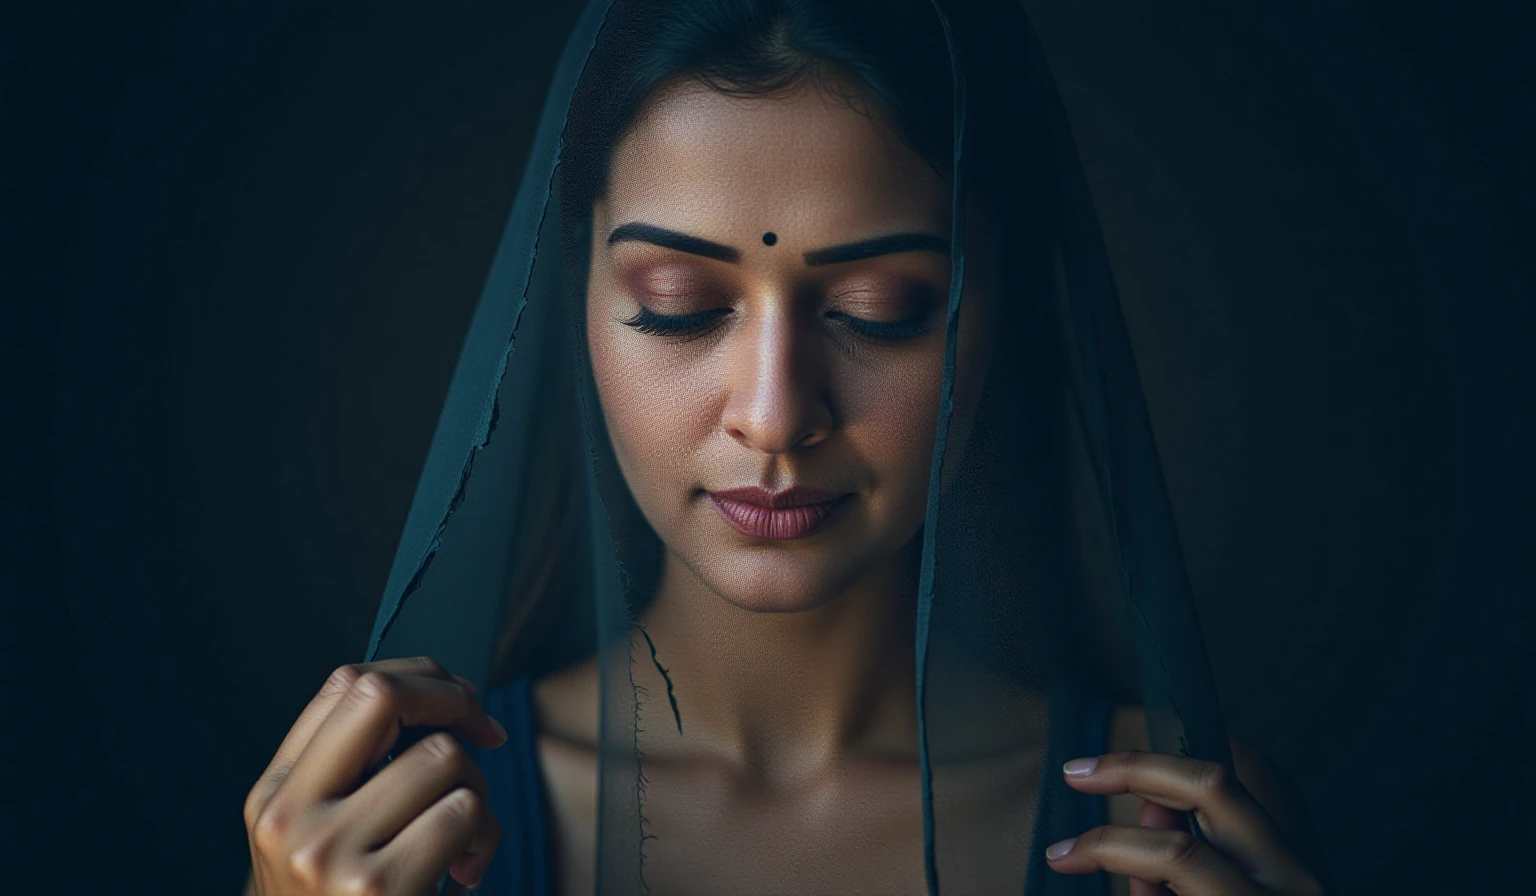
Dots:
(1050, 565)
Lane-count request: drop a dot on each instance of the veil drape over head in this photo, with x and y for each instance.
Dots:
(1050, 566)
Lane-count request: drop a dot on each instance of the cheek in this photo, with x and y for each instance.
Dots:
(656, 411)
(893, 413)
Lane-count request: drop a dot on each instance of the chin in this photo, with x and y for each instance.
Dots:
(776, 582)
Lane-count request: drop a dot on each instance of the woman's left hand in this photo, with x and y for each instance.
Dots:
(1246, 854)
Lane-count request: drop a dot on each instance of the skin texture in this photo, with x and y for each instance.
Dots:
(797, 662)
(794, 657)
(318, 824)
(779, 392)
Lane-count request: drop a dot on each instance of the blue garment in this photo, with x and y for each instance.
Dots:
(524, 863)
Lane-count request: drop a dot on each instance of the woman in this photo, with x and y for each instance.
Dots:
(824, 613)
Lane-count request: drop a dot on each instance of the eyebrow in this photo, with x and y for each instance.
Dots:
(880, 245)
(890, 244)
(671, 239)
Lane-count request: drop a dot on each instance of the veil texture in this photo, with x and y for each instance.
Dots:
(1050, 565)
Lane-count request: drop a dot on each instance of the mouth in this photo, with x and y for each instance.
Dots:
(777, 516)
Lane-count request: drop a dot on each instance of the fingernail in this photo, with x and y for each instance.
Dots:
(1060, 849)
(1080, 767)
(466, 684)
(500, 731)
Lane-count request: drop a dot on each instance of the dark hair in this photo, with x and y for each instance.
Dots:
(893, 51)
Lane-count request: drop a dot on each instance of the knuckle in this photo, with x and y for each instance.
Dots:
(363, 882)
(310, 863)
(269, 830)
(444, 748)
(1180, 849)
(254, 800)
(429, 666)
(1095, 837)
(463, 807)
(1220, 783)
(341, 680)
(374, 686)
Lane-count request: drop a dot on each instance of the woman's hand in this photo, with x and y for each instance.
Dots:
(318, 824)
(1246, 854)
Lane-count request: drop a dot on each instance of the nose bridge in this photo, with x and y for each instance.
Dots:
(778, 401)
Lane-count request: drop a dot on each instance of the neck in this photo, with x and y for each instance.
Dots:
(781, 693)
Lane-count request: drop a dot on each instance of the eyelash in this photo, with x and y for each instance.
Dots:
(880, 331)
(649, 322)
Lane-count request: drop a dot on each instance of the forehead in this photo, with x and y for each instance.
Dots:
(808, 164)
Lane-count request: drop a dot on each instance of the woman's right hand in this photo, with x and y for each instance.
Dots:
(318, 825)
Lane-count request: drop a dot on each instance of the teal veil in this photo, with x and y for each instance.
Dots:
(1015, 615)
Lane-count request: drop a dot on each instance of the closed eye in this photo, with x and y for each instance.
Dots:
(882, 331)
(649, 322)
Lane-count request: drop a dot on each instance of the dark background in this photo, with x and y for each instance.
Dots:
(242, 241)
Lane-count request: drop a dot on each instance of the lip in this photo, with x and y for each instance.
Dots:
(776, 516)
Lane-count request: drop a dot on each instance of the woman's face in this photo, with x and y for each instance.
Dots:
(766, 323)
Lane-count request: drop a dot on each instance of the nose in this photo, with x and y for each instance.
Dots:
(779, 399)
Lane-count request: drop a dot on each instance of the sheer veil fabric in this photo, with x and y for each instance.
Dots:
(1049, 564)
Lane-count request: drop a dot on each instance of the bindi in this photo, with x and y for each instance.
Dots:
(770, 238)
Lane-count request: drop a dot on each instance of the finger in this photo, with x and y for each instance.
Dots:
(366, 722)
(1228, 815)
(1160, 817)
(402, 790)
(1157, 817)
(340, 682)
(405, 788)
(1147, 888)
(433, 842)
(1175, 859)
(319, 707)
